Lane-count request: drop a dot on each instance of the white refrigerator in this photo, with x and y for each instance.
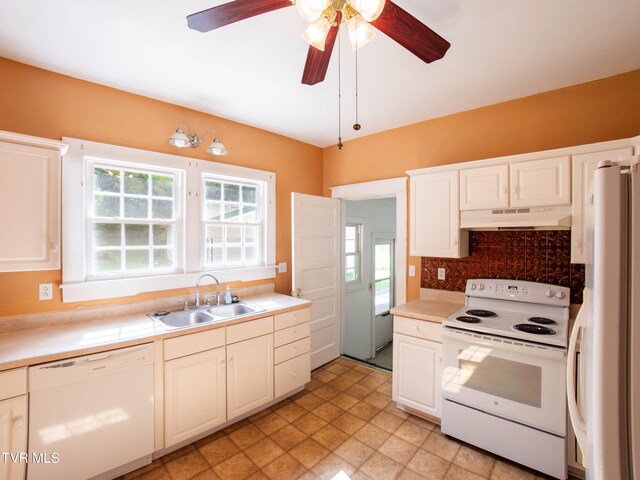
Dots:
(609, 429)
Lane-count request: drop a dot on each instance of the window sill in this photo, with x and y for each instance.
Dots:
(126, 287)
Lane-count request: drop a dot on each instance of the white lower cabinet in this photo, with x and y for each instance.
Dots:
(249, 374)
(13, 437)
(417, 371)
(195, 394)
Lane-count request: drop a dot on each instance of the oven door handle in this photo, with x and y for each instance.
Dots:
(577, 420)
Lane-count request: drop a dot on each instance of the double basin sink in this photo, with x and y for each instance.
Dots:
(204, 315)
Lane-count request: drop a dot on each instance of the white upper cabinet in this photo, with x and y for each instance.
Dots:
(540, 183)
(30, 194)
(435, 216)
(583, 167)
(484, 187)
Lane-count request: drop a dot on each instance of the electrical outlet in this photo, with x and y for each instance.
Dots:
(46, 291)
(282, 267)
(412, 270)
(441, 274)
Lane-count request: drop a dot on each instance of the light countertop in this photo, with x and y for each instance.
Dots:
(33, 346)
(432, 306)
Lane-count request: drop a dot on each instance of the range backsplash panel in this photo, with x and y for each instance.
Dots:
(536, 256)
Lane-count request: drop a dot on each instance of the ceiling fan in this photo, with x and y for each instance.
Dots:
(326, 17)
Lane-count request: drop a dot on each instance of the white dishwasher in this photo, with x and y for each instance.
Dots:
(90, 416)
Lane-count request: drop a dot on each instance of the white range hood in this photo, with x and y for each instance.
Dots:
(535, 218)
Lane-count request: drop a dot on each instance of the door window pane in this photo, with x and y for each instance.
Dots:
(352, 249)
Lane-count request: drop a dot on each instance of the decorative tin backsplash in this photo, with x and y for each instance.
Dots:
(537, 256)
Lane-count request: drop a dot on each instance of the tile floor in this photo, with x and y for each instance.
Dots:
(342, 426)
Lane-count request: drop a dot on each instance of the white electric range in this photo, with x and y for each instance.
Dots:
(504, 369)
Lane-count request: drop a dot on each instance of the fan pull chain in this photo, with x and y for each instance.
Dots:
(356, 126)
(340, 145)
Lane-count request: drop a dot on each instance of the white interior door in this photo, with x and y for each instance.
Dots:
(316, 269)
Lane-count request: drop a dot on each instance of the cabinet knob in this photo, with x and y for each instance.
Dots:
(416, 328)
(18, 421)
(295, 374)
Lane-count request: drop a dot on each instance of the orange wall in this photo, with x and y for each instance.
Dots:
(606, 109)
(45, 104)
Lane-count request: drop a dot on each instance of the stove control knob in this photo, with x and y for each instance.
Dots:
(473, 286)
(481, 287)
(549, 293)
(560, 295)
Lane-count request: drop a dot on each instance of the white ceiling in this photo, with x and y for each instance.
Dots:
(250, 71)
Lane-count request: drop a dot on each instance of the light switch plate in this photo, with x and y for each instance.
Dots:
(441, 273)
(412, 270)
(46, 291)
(282, 267)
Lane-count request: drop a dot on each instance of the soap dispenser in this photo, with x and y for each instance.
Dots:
(227, 296)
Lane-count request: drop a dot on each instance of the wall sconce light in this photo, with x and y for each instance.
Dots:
(181, 140)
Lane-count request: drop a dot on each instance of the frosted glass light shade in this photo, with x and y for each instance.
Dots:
(216, 148)
(311, 10)
(369, 9)
(179, 139)
(316, 33)
(360, 32)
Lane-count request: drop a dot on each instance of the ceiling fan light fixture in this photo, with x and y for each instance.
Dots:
(360, 32)
(316, 33)
(179, 139)
(311, 10)
(369, 9)
(216, 147)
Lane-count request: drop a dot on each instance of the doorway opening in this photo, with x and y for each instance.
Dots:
(369, 280)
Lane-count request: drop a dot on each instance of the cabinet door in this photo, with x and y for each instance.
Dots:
(484, 187)
(249, 374)
(13, 436)
(540, 183)
(583, 166)
(195, 394)
(31, 235)
(417, 373)
(435, 216)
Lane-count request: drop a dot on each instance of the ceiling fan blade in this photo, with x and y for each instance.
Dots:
(231, 12)
(315, 68)
(412, 34)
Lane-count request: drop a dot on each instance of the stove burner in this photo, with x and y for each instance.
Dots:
(482, 313)
(534, 329)
(468, 319)
(542, 321)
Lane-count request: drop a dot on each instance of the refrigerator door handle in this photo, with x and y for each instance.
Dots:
(577, 420)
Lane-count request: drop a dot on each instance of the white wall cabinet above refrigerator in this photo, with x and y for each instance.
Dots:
(31, 186)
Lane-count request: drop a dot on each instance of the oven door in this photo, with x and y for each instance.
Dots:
(516, 380)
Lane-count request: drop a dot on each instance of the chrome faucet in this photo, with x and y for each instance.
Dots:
(198, 288)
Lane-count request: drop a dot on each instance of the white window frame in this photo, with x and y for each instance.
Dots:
(75, 285)
(357, 254)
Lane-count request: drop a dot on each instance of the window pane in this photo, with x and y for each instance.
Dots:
(231, 193)
(249, 214)
(212, 211)
(350, 232)
(382, 296)
(234, 234)
(350, 261)
(107, 234)
(136, 207)
(251, 254)
(214, 234)
(214, 255)
(136, 183)
(382, 258)
(135, 235)
(162, 235)
(162, 209)
(249, 194)
(107, 261)
(350, 246)
(162, 186)
(231, 213)
(350, 275)
(251, 234)
(106, 206)
(163, 258)
(234, 254)
(105, 180)
(137, 259)
(213, 191)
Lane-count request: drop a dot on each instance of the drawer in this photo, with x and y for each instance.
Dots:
(418, 328)
(193, 343)
(13, 383)
(290, 350)
(292, 334)
(289, 319)
(250, 329)
(292, 374)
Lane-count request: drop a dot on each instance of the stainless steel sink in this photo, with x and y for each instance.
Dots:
(204, 315)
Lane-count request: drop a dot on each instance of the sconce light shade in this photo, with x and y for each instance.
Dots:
(369, 9)
(316, 33)
(179, 139)
(311, 10)
(216, 148)
(360, 32)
